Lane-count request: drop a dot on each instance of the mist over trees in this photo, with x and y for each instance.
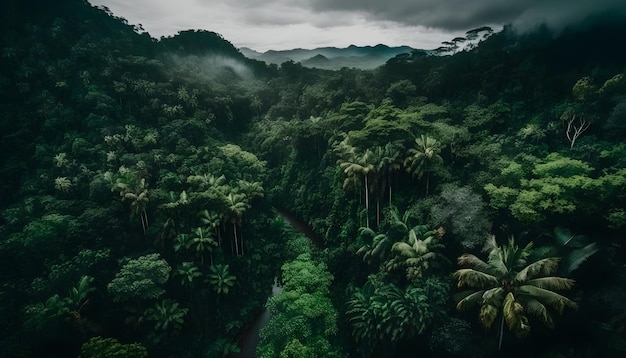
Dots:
(468, 202)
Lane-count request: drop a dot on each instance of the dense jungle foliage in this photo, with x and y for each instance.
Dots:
(471, 204)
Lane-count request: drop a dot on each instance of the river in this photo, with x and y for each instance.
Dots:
(250, 339)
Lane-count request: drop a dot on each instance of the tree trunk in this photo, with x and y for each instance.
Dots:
(501, 332)
(367, 203)
(236, 243)
(241, 239)
(377, 212)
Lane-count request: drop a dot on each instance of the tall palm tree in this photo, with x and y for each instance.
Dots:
(389, 163)
(422, 157)
(375, 159)
(359, 165)
(137, 195)
(204, 242)
(212, 220)
(509, 285)
(236, 205)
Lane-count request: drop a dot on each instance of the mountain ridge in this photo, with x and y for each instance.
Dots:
(362, 57)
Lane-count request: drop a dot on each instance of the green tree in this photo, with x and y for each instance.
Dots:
(423, 157)
(137, 195)
(383, 314)
(236, 206)
(166, 315)
(303, 319)
(221, 279)
(376, 246)
(188, 272)
(355, 166)
(418, 252)
(512, 287)
(203, 241)
(140, 278)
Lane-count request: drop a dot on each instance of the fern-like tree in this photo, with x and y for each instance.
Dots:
(166, 315)
(221, 279)
(384, 314)
(418, 252)
(513, 286)
(423, 157)
(203, 241)
(376, 245)
(137, 195)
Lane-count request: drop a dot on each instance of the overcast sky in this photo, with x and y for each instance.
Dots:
(287, 24)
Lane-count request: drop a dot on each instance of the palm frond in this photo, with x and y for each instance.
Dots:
(577, 257)
(547, 297)
(539, 310)
(473, 278)
(514, 316)
(402, 249)
(552, 283)
(474, 262)
(490, 244)
(543, 267)
(487, 315)
(494, 296)
(467, 299)
(566, 238)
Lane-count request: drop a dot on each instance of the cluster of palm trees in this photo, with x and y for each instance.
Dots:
(229, 205)
(514, 283)
(376, 166)
(415, 249)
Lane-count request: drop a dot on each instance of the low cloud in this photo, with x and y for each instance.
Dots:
(457, 15)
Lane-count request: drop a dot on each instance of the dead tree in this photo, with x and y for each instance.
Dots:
(574, 130)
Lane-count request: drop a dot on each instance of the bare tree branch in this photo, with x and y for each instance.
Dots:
(574, 130)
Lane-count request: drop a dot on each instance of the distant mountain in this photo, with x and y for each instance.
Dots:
(332, 58)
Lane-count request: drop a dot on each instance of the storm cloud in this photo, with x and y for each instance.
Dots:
(466, 14)
(288, 24)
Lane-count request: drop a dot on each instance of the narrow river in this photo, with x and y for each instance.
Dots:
(250, 339)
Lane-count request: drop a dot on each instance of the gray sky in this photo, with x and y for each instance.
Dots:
(288, 24)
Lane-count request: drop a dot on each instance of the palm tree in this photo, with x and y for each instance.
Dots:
(211, 220)
(509, 285)
(166, 314)
(377, 245)
(182, 241)
(375, 159)
(250, 189)
(138, 196)
(389, 163)
(236, 205)
(187, 271)
(359, 165)
(203, 242)
(417, 253)
(221, 279)
(422, 157)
